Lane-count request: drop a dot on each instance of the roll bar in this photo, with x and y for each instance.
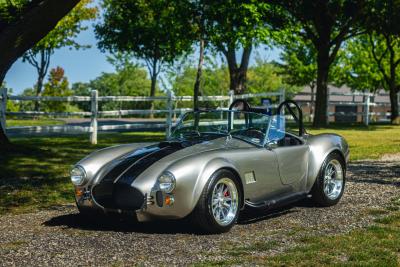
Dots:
(299, 119)
(286, 103)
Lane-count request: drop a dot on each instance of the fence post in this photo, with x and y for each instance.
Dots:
(366, 109)
(231, 97)
(169, 114)
(3, 109)
(282, 95)
(93, 124)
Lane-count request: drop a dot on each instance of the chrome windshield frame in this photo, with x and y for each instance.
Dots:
(230, 122)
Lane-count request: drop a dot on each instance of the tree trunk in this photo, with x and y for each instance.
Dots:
(39, 87)
(196, 88)
(41, 67)
(320, 118)
(4, 141)
(238, 74)
(154, 75)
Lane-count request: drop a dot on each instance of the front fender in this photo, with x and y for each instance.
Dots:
(209, 169)
(192, 175)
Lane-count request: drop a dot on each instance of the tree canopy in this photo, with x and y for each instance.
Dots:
(63, 35)
(326, 24)
(156, 31)
(23, 23)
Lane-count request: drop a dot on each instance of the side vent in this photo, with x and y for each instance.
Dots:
(250, 177)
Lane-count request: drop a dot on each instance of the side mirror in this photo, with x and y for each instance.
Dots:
(272, 144)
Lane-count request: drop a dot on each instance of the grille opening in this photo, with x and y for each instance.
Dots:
(118, 196)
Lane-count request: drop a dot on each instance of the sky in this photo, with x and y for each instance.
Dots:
(84, 65)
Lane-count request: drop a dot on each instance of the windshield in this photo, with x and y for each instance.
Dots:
(248, 126)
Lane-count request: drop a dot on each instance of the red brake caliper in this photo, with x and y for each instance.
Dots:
(226, 194)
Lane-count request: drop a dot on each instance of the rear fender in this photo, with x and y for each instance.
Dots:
(320, 147)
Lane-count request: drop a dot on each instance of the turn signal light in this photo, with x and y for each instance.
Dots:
(79, 192)
(169, 200)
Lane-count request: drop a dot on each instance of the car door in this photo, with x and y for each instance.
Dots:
(292, 163)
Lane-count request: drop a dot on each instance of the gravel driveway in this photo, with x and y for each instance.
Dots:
(58, 237)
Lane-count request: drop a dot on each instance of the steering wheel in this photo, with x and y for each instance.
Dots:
(253, 133)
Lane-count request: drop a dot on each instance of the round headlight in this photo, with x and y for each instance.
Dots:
(167, 182)
(78, 175)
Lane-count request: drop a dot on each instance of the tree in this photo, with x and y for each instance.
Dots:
(128, 80)
(299, 64)
(63, 35)
(57, 85)
(153, 30)
(384, 37)
(23, 24)
(216, 79)
(357, 67)
(326, 24)
(234, 26)
(264, 76)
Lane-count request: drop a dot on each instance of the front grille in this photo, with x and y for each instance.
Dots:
(118, 196)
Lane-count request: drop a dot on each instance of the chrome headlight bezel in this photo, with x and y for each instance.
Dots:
(166, 182)
(78, 171)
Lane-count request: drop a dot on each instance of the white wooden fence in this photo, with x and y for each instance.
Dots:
(365, 112)
(94, 113)
(368, 108)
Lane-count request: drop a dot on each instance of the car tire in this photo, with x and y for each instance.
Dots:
(209, 214)
(330, 183)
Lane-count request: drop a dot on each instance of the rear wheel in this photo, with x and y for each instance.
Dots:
(219, 204)
(329, 185)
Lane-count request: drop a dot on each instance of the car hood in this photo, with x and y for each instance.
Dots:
(126, 163)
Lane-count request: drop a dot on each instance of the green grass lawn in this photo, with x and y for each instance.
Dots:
(367, 142)
(30, 122)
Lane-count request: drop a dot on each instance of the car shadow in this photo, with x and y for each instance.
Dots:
(250, 216)
(119, 224)
(184, 226)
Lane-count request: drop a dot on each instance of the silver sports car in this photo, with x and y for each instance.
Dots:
(215, 164)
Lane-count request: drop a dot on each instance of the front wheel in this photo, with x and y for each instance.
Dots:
(329, 185)
(219, 204)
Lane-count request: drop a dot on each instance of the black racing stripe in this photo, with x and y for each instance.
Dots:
(124, 164)
(135, 170)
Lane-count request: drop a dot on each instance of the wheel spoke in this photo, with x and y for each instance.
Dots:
(221, 214)
(227, 199)
(221, 189)
(214, 201)
(215, 212)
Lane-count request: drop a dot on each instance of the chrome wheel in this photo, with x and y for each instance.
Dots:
(224, 201)
(333, 179)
